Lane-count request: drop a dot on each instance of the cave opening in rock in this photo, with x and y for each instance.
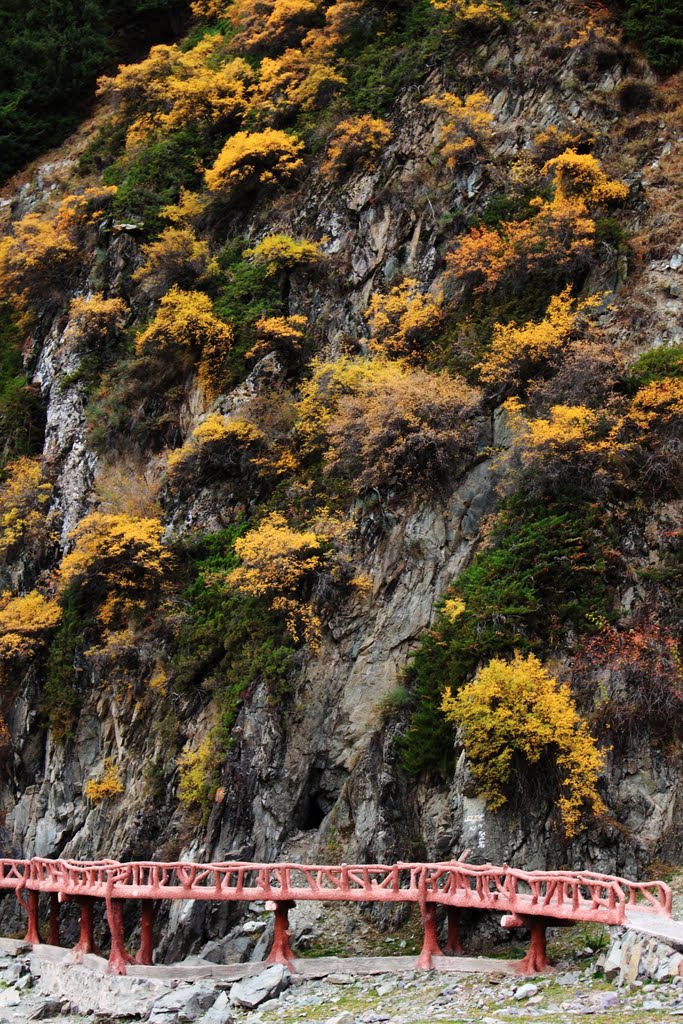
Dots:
(311, 812)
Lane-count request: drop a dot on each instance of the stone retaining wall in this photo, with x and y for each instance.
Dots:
(633, 955)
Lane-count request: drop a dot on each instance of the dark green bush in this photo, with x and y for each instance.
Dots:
(402, 45)
(62, 696)
(228, 641)
(246, 293)
(52, 52)
(656, 26)
(104, 149)
(152, 177)
(544, 574)
(654, 365)
(22, 415)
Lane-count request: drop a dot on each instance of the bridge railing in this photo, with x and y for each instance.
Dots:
(13, 873)
(654, 897)
(452, 883)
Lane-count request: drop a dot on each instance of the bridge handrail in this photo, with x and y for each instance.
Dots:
(485, 885)
(658, 895)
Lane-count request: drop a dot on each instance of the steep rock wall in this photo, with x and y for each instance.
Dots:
(322, 760)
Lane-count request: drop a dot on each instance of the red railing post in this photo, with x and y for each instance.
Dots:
(537, 958)
(118, 957)
(430, 943)
(86, 941)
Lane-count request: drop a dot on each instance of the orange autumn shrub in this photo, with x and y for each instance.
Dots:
(557, 241)
(356, 145)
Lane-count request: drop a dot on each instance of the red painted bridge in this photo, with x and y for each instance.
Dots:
(532, 899)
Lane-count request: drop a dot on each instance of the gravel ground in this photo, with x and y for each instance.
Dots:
(411, 998)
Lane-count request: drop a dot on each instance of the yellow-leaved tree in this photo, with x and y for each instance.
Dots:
(107, 784)
(299, 80)
(95, 320)
(219, 446)
(119, 562)
(478, 15)
(466, 128)
(278, 253)
(283, 335)
(186, 329)
(25, 624)
(517, 351)
(385, 425)
(267, 27)
(404, 320)
(176, 257)
(173, 89)
(570, 448)
(650, 434)
(25, 495)
(250, 160)
(557, 241)
(281, 563)
(514, 714)
(41, 255)
(36, 261)
(579, 176)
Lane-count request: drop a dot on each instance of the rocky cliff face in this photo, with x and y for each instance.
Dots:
(317, 770)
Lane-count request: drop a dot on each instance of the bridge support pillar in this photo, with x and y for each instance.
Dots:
(33, 931)
(430, 944)
(53, 936)
(118, 957)
(145, 954)
(454, 941)
(536, 959)
(281, 951)
(86, 942)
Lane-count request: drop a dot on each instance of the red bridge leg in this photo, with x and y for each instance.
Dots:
(53, 938)
(281, 951)
(430, 945)
(145, 954)
(118, 957)
(454, 943)
(86, 942)
(33, 932)
(536, 959)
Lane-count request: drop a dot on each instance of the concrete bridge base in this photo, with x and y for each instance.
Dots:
(314, 967)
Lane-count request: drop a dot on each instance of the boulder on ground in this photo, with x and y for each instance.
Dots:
(183, 1004)
(251, 992)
